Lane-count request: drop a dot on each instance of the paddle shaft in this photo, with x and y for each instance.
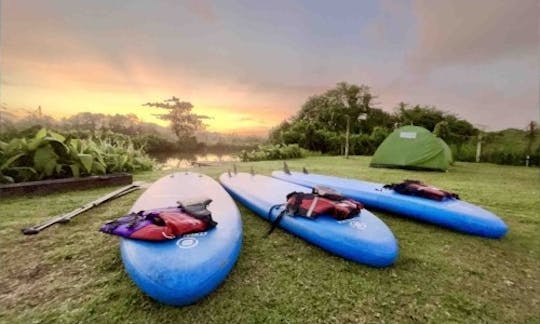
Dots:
(64, 218)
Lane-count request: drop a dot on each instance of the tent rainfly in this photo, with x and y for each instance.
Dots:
(412, 147)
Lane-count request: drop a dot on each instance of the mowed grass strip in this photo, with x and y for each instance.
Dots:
(73, 273)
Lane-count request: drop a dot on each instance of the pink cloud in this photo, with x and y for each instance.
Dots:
(470, 32)
(203, 9)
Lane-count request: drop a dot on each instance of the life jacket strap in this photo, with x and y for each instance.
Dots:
(277, 220)
(312, 207)
(197, 208)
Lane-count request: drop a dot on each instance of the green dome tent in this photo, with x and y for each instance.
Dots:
(447, 151)
(412, 147)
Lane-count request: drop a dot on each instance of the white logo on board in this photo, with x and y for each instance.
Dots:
(189, 241)
(356, 224)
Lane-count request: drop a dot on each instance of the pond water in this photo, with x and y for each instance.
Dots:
(189, 160)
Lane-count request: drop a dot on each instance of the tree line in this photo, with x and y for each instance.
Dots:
(186, 131)
(341, 120)
(323, 120)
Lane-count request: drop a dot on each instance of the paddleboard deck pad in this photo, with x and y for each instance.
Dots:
(364, 238)
(181, 271)
(451, 213)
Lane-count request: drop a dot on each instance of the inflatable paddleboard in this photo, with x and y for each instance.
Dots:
(181, 271)
(363, 239)
(451, 213)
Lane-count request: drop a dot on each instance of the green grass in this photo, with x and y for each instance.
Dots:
(73, 273)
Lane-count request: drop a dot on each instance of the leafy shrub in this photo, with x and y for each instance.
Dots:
(273, 152)
(227, 148)
(465, 153)
(49, 155)
(361, 144)
(504, 147)
(331, 142)
(152, 143)
(510, 158)
(378, 135)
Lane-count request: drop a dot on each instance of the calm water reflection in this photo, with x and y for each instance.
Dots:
(189, 160)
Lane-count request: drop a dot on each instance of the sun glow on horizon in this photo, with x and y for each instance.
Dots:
(61, 104)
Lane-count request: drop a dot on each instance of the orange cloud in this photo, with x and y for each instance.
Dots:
(93, 84)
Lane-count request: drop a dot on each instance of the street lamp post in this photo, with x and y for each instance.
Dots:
(347, 136)
(361, 117)
(481, 129)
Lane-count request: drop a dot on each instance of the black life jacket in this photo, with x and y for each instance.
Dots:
(420, 189)
(321, 201)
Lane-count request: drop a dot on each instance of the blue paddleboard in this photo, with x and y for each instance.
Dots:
(363, 239)
(183, 270)
(451, 213)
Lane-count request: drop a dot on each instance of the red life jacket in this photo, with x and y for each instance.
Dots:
(420, 189)
(171, 224)
(163, 223)
(322, 201)
(312, 205)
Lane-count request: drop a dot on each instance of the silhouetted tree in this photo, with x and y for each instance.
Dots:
(183, 122)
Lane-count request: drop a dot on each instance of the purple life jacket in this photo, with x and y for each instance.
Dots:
(162, 223)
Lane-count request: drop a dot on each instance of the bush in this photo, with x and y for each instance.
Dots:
(273, 152)
(510, 158)
(331, 142)
(153, 143)
(378, 135)
(227, 148)
(361, 144)
(465, 152)
(494, 153)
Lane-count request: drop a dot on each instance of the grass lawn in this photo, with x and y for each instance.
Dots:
(73, 273)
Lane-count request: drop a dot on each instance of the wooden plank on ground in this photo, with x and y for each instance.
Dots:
(44, 187)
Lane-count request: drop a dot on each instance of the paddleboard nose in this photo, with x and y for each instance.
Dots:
(390, 254)
(384, 255)
(497, 229)
(385, 252)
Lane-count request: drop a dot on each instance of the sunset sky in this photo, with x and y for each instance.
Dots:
(251, 64)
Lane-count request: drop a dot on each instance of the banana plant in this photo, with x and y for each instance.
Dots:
(50, 155)
(31, 159)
